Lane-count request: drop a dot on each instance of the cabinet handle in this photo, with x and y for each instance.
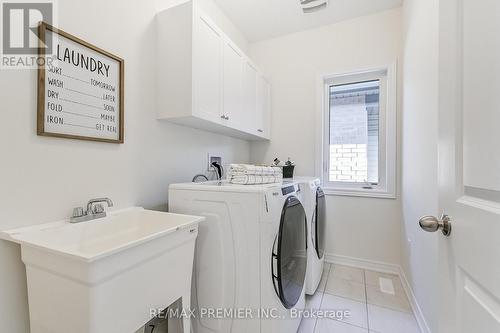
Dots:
(259, 130)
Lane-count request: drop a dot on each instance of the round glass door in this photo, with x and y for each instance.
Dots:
(320, 223)
(289, 253)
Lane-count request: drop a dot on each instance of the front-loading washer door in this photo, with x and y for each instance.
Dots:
(289, 259)
(318, 229)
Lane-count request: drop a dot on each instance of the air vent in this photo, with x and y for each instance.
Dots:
(311, 6)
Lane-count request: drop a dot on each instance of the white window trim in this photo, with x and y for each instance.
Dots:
(387, 147)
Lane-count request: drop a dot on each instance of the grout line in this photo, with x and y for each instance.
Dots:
(407, 292)
(366, 301)
(348, 324)
(340, 321)
(347, 298)
(322, 295)
(392, 309)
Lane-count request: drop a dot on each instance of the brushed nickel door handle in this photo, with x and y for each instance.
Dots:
(433, 224)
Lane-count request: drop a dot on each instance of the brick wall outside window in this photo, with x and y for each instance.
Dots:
(348, 162)
(354, 135)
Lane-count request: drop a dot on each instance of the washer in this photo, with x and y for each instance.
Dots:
(250, 254)
(314, 203)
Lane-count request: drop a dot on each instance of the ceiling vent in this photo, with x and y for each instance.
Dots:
(311, 6)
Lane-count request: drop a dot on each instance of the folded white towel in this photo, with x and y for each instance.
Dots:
(247, 174)
(254, 179)
(249, 169)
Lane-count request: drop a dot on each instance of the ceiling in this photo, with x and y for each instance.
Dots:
(264, 19)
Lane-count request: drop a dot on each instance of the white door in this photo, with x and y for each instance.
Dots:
(250, 92)
(232, 109)
(262, 126)
(469, 162)
(207, 67)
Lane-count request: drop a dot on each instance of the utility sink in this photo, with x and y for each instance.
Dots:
(109, 274)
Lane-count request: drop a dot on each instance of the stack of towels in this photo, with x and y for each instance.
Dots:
(246, 174)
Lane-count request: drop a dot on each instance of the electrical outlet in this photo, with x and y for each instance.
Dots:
(213, 158)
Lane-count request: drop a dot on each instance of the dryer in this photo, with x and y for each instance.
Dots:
(283, 238)
(314, 203)
(250, 255)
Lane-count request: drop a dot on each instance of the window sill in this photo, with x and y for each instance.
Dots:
(359, 193)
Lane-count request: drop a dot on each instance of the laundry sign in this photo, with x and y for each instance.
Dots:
(80, 89)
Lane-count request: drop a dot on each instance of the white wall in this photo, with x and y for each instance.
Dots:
(420, 156)
(42, 179)
(365, 228)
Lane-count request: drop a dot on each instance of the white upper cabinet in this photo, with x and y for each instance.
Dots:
(250, 97)
(263, 124)
(207, 65)
(204, 80)
(233, 110)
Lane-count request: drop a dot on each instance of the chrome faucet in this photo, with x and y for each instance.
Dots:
(95, 210)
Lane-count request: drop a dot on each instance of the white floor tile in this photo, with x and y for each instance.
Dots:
(357, 310)
(307, 325)
(345, 288)
(333, 326)
(324, 278)
(384, 320)
(373, 279)
(397, 301)
(348, 273)
(314, 301)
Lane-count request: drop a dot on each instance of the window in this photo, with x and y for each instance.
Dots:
(359, 141)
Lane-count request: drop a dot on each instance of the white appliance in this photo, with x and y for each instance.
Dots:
(250, 254)
(314, 203)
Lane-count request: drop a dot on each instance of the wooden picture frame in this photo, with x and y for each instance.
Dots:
(80, 110)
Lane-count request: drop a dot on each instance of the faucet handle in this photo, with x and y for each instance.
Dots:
(98, 209)
(78, 212)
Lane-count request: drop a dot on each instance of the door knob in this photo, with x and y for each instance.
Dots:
(433, 224)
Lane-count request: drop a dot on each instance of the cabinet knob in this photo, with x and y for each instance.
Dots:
(259, 130)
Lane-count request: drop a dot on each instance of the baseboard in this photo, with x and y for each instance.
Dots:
(383, 267)
(373, 265)
(419, 315)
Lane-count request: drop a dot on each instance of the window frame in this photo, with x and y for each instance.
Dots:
(386, 187)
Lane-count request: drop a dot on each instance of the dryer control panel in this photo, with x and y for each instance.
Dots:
(288, 189)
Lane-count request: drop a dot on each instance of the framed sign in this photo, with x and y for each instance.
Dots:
(80, 89)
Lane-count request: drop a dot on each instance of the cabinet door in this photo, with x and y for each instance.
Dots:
(207, 69)
(233, 104)
(250, 91)
(263, 116)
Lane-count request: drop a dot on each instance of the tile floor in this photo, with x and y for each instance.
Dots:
(376, 303)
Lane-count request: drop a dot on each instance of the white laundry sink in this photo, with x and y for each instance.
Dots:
(109, 274)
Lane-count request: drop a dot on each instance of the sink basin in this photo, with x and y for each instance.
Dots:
(107, 275)
(96, 239)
